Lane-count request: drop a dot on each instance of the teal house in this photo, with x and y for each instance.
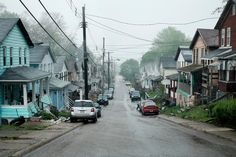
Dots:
(16, 76)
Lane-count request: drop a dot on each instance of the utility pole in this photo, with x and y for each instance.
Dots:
(103, 68)
(108, 77)
(84, 24)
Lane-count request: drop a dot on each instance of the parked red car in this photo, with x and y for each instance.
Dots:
(149, 107)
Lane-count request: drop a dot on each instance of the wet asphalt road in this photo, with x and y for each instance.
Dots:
(124, 132)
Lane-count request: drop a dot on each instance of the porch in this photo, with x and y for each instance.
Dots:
(18, 91)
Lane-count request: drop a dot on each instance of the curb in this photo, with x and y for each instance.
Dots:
(41, 143)
(188, 126)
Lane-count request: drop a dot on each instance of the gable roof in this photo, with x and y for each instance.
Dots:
(71, 64)
(7, 24)
(224, 13)
(38, 52)
(22, 74)
(168, 62)
(59, 64)
(186, 52)
(209, 36)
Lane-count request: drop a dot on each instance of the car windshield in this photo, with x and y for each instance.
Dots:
(83, 104)
(136, 93)
(150, 103)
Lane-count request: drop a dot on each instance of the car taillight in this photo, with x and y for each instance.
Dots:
(92, 110)
(71, 109)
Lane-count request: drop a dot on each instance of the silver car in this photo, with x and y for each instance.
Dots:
(83, 109)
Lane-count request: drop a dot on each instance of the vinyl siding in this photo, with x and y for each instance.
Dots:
(16, 40)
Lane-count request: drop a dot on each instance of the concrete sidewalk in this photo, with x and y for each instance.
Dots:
(19, 143)
(223, 132)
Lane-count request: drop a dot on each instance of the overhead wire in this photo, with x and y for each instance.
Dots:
(152, 24)
(45, 29)
(56, 23)
(124, 33)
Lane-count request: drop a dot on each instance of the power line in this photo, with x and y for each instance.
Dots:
(57, 24)
(91, 36)
(45, 29)
(153, 24)
(124, 33)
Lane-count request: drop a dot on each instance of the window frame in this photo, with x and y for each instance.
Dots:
(20, 55)
(228, 36)
(223, 37)
(25, 61)
(4, 56)
(11, 56)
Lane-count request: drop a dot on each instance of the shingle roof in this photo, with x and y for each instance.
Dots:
(209, 36)
(168, 62)
(56, 83)
(191, 68)
(38, 52)
(22, 74)
(186, 52)
(7, 24)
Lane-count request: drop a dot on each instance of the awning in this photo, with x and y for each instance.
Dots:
(191, 68)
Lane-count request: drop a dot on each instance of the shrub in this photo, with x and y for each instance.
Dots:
(224, 111)
(46, 116)
(54, 111)
(65, 114)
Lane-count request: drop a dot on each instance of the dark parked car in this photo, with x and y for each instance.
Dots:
(135, 96)
(99, 109)
(102, 100)
(149, 107)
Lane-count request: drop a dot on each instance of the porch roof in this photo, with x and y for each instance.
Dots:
(215, 53)
(172, 77)
(190, 68)
(227, 55)
(22, 74)
(56, 83)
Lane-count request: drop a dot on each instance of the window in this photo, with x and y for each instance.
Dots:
(196, 61)
(203, 52)
(234, 9)
(25, 56)
(223, 37)
(4, 56)
(228, 36)
(20, 56)
(11, 60)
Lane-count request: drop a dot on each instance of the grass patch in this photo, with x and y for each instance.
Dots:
(65, 114)
(24, 127)
(196, 113)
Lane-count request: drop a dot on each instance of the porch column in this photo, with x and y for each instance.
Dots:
(41, 88)
(24, 94)
(33, 92)
(47, 86)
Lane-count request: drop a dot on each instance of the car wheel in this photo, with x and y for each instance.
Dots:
(95, 120)
(72, 120)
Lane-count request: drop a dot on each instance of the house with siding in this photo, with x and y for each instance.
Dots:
(183, 58)
(227, 39)
(42, 58)
(167, 67)
(16, 76)
(190, 77)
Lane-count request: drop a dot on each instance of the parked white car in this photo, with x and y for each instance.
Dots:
(83, 109)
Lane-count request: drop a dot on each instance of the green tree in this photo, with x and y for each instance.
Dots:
(130, 70)
(165, 44)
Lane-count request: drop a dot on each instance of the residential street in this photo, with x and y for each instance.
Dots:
(122, 131)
